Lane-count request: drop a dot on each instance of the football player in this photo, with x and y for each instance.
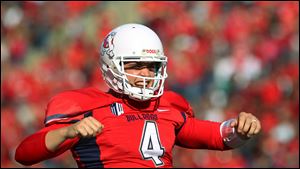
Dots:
(134, 124)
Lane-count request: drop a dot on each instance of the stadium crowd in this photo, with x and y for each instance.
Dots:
(224, 57)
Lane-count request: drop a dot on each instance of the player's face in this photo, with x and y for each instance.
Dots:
(145, 69)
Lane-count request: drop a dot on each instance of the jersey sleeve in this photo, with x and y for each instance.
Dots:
(200, 134)
(69, 106)
(178, 102)
(33, 148)
(62, 108)
(194, 133)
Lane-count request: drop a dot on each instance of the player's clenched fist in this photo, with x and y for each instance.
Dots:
(87, 127)
(246, 124)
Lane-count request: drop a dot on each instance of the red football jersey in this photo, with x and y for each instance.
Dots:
(135, 134)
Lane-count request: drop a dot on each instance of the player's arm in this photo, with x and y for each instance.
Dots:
(33, 148)
(54, 140)
(194, 133)
(218, 136)
(200, 134)
(87, 127)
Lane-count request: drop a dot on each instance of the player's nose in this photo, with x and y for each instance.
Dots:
(145, 72)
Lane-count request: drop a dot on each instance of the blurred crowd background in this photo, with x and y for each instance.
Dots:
(224, 57)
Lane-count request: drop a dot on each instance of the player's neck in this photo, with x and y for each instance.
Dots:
(147, 105)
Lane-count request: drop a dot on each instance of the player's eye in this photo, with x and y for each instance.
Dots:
(130, 65)
(152, 66)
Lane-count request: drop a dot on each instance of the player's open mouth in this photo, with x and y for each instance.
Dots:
(141, 84)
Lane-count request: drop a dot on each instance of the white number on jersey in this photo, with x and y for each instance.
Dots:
(150, 146)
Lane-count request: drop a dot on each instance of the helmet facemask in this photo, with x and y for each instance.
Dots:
(120, 83)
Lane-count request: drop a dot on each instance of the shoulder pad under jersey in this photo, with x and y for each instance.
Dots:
(178, 102)
(68, 105)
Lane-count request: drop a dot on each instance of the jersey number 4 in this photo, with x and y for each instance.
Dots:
(150, 146)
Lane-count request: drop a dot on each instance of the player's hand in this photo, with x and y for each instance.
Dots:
(87, 127)
(246, 125)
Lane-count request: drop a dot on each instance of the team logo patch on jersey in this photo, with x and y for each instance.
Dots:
(116, 109)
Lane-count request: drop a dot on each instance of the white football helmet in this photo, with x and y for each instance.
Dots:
(138, 43)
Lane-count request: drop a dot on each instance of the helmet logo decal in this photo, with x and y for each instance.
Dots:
(108, 45)
(150, 51)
